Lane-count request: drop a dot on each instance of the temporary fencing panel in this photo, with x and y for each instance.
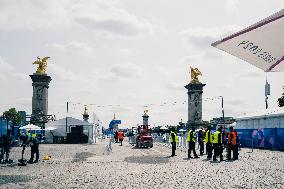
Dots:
(268, 138)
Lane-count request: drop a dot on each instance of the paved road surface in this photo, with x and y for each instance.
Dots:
(89, 166)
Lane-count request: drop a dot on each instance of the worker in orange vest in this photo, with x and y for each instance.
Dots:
(232, 144)
(120, 136)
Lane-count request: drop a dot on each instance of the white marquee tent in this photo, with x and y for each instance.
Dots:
(270, 118)
(64, 124)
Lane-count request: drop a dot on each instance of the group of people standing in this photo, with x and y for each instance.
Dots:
(27, 139)
(214, 142)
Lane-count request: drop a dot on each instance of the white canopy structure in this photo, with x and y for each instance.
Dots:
(262, 119)
(30, 127)
(261, 44)
(64, 125)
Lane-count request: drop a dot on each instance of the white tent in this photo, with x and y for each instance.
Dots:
(269, 118)
(261, 44)
(30, 127)
(64, 125)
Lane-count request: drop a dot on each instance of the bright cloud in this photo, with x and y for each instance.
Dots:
(73, 45)
(202, 37)
(92, 14)
(126, 70)
(231, 6)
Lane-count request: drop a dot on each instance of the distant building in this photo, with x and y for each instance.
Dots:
(219, 121)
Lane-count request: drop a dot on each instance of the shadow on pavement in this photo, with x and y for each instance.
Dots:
(214, 161)
(147, 159)
(5, 179)
(82, 156)
(206, 159)
(140, 148)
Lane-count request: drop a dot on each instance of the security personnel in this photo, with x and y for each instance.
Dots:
(217, 144)
(232, 144)
(34, 142)
(201, 141)
(191, 138)
(208, 142)
(173, 141)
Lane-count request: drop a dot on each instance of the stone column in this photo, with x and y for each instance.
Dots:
(194, 91)
(145, 119)
(40, 98)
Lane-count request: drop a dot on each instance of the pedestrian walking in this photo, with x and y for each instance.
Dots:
(191, 139)
(232, 144)
(116, 136)
(131, 137)
(217, 144)
(173, 141)
(208, 142)
(120, 136)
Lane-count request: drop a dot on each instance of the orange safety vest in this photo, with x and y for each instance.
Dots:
(232, 138)
(120, 135)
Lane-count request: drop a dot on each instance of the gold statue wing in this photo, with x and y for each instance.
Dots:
(45, 59)
(37, 62)
(197, 71)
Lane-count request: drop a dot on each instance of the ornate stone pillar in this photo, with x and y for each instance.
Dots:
(194, 91)
(145, 117)
(40, 98)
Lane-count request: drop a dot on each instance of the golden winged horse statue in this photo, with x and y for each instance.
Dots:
(194, 75)
(42, 64)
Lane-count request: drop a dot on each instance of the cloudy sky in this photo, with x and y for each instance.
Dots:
(120, 56)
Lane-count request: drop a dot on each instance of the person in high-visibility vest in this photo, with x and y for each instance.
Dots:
(208, 142)
(34, 143)
(217, 144)
(191, 139)
(173, 141)
(232, 144)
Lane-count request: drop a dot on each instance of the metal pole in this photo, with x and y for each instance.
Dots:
(252, 144)
(66, 117)
(7, 124)
(95, 133)
(1, 125)
(223, 113)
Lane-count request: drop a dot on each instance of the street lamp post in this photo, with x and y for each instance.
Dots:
(222, 106)
(1, 125)
(67, 108)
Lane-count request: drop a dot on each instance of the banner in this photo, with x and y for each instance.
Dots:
(260, 44)
(268, 138)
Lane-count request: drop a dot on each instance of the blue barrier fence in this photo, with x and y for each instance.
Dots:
(268, 138)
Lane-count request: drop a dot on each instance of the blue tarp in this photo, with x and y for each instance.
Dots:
(113, 122)
(268, 138)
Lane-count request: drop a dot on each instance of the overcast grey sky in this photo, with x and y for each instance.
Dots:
(123, 55)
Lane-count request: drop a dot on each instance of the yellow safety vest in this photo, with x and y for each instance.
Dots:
(171, 139)
(208, 137)
(216, 138)
(189, 138)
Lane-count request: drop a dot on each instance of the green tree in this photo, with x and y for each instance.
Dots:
(13, 116)
(281, 100)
